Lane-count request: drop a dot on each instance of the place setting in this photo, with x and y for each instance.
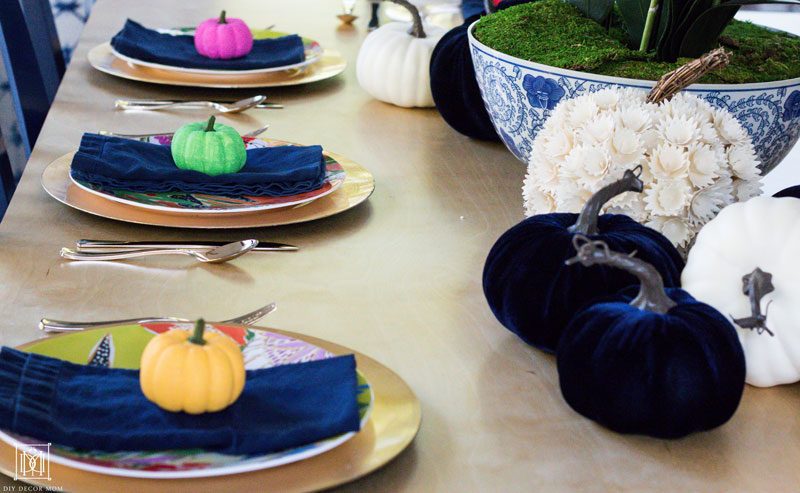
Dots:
(205, 175)
(121, 407)
(221, 52)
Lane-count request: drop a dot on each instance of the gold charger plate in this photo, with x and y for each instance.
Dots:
(331, 64)
(393, 424)
(357, 188)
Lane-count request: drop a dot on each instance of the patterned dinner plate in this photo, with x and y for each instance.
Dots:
(121, 347)
(201, 203)
(313, 52)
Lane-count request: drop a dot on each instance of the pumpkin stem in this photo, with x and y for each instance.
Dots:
(197, 336)
(587, 220)
(755, 286)
(210, 125)
(651, 297)
(416, 29)
(222, 19)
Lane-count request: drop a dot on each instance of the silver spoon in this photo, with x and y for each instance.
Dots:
(223, 253)
(235, 107)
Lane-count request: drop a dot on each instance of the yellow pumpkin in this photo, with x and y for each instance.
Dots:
(197, 373)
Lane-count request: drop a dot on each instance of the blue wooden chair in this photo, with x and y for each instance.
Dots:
(32, 67)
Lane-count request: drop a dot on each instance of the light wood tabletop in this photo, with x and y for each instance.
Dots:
(398, 278)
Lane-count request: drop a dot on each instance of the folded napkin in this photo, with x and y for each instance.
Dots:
(93, 408)
(148, 45)
(143, 167)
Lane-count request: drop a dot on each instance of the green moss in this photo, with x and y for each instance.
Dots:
(555, 33)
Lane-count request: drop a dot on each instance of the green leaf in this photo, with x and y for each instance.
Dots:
(672, 14)
(598, 10)
(633, 14)
(665, 21)
(704, 32)
(701, 33)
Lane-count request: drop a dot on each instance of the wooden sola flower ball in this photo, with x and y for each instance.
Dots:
(696, 159)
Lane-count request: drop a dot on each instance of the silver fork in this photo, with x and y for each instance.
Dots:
(252, 133)
(55, 326)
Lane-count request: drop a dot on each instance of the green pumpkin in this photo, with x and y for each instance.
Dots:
(213, 149)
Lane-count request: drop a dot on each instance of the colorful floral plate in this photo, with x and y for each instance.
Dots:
(121, 347)
(313, 51)
(199, 203)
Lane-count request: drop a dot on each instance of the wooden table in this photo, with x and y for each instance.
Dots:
(398, 278)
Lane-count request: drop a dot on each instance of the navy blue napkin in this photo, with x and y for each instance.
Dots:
(148, 45)
(143, 167)
(93, 408)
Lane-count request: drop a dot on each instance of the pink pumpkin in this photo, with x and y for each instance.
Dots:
(223, 38)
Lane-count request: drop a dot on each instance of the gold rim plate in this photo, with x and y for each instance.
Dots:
(357, 188)
(330, 64)
(392, 426)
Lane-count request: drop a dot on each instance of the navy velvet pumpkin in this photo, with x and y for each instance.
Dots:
(789, 192)
(454, 88)
(663, 375)
(453, 85)
(533, 294)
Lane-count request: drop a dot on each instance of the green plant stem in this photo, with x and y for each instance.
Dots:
(197, 336)
(648, 25)
(222, 19)
(210, 125)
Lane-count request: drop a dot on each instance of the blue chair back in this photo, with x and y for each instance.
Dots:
(32, 69)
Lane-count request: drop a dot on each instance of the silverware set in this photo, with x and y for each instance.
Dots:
(51, 326)
(204, 252)
(211, 252)
(252, 133)
(220, 107)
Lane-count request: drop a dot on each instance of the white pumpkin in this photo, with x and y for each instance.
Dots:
(760, 233)
(394, 62)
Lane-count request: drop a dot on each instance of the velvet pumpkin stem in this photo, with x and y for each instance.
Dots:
(651, 297)
(210, 125)
(222, 19)
(587, 220)
(197, 335)
(416, 29)
(755, 286)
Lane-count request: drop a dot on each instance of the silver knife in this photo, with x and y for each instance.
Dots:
(103, 245)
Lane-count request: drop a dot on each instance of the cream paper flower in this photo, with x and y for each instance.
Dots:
(582, 112)
(626, 147)
(633, 117)
(743, 160)
(667, 197)
(707, 202)
(673, 227)
(571, 198)
(729, 129)
(669, 161)
(695, 159)
(703, 164)
(598, 129)
(679, 130)
(606, 99)
(538, 200)
(558, 145)
(588, 165)
(745, 189)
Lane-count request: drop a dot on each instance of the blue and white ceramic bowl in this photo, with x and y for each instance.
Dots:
(520, 95)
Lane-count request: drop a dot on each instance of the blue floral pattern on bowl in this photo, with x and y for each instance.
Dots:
(520, 96)
(792, 106)
(542, 92)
